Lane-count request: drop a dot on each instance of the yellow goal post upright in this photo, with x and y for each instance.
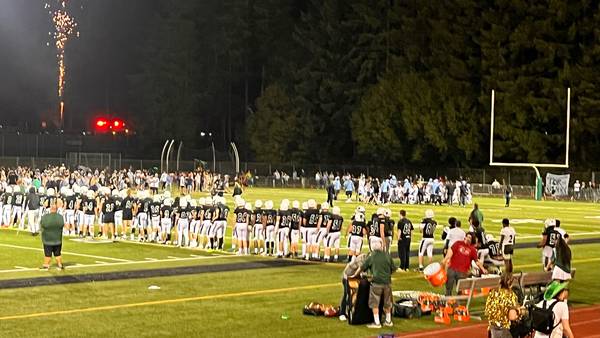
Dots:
(535, 166)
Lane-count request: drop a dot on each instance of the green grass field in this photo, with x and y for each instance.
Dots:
(243, 302)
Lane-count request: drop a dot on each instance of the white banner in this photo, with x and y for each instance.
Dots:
(557, 185)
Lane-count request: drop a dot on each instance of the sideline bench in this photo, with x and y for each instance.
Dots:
(531, 283)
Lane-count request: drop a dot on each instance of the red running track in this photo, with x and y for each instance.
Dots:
(585, 322)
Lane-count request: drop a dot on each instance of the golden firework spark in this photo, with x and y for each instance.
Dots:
(65, 27)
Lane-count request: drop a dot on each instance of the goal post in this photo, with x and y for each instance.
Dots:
(534, 166)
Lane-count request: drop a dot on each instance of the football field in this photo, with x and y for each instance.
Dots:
(104, 290)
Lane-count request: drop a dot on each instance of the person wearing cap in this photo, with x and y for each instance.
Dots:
(428, 225)
(561, 262)
(497, 307)
(382, 266)
(458, 261)
(550, 236)
(52, 227)
(555, 297)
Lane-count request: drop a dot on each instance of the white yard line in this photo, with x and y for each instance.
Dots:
(101, 264)
(20, 267)
(150, 259)
(66, 253)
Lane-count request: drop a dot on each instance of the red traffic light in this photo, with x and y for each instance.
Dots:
(107, 124)
(101, 123)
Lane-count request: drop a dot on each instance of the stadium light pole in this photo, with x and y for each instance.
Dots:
(162, 155)
(178, 155)
(169, 154)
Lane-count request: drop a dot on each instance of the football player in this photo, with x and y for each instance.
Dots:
(305, 240)
(491, 254)
(155, 207)
(357, 231)
(242, 218)
(269, 220)
(116, 194)
(310, 220)
(428, 225)
(296, 215)
(388, 229)
(405, 229)
(107, 207)
(377, 228)
(549, 238)
(166, 212)
(507, 242)
(207, 219)
(7, 202)
(182, 220)
(127, 205)
(284, 222)
(17, 207)
(334, 229)
(324, 217)
(258, 229)
(70, 204)
(220, 223)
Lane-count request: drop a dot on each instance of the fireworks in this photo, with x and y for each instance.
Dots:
(64, 28)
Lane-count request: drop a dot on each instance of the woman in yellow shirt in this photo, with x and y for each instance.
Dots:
(497, 305)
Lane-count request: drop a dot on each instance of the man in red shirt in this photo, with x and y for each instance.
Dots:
(458, 261)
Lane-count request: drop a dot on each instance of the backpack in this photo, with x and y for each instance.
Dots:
(542, 319)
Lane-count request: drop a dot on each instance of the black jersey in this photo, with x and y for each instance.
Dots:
(108, 206)
(118, 203)
(8, 199)
(127, 205)
(18, 199)
(494, 250)
(270, 217)
(185, 213)
(405, 228)
(209, 213)
(145, 205)
(285, 218)
(389, 227)
(312, 218)
(296, 215)
(336, 223)
(257, 216)
(552, 236)
(166, 211)
(242, 215)
(70, 202)
(199, 212)
(155, 209)
(375, 229)
(50, 200)
(223, 212)
(43, 198)
(89, 206)
(78, 202)
(429, 226)
(357, 228)
(325, 216)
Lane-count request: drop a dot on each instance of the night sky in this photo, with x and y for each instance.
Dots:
(98, 62)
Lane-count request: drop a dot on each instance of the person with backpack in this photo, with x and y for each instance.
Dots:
(497, 307)
(550, 317)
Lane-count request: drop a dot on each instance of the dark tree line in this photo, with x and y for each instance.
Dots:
(387, 81)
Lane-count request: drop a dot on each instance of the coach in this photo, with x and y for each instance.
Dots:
(52, 227)
(458, 261)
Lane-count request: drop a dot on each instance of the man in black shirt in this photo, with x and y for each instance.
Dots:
(405, 229)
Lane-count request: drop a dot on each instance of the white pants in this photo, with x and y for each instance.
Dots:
(333, 240)
(219, 229)
(165, 225)
(294, 236)
(356, 243)
(426, 246)
(118, 218)
(70, 216)
(6, 212)
(142, 220)
(241, 230)
(270, 233)
(205, 228)
(321, 235)
(183, 235)
(311, 236)
(155, 222)
(374, 239)
(33, 219)
(16, 211)
(283, 235)
(194, 226)
(259, 234)
(88, 220)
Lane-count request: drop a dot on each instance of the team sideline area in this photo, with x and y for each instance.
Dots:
(164, 290)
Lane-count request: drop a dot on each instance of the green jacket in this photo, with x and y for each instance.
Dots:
(52, 227)
(381, 265)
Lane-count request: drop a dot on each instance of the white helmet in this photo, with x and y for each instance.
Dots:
(222, 200)
(324, 206)
(49, 192)
(41, 190)
(284, 206)
(359, 217)
(240, 202)
(123, 193)
(193, 203)
(304, 205)
(183, 202)
(549, 222)
(269, 204)
(90, 194)
(83, 190)
(156, 198)
(295, 204)
(380, 211)
(8, 190)
(360, 209)
(168, 202)
(312, 204)
(69, 192)
(258, 204)
(216, 200)
(335, 211)
(387, 213)
(429, 213)
(248, 206)
(285, 201)
(63, 190)
(201, 201)
(208, 201)
(167, 194)
(115, 193)
(76, 189)
(489, 237)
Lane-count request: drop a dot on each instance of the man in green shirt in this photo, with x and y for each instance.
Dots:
(382, 266)
(52, 227)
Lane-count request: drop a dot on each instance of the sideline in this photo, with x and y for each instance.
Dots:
(65, 253)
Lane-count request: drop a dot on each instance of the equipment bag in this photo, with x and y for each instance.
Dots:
(542, 319)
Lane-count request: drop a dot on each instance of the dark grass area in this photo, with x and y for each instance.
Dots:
(136, 274)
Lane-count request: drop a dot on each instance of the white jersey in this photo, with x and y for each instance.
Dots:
(454, 235)
(509, 234)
